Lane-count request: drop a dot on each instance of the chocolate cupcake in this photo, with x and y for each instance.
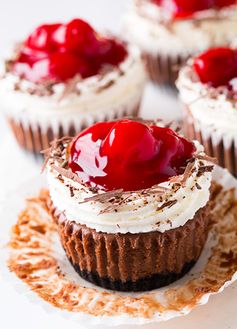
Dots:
(208, 90)
(130, 199)
(170, 31)
(65, 77)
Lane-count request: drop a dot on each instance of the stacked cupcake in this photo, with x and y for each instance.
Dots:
(169, 31)
(63, 78)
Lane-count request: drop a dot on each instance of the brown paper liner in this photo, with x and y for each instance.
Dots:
(163, 70)
(133, 262)
(36, 140)
(226, 157)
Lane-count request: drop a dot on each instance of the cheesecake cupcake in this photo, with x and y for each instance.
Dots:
(131, 202)
(208, 90)
(65, 77)
(170, 31)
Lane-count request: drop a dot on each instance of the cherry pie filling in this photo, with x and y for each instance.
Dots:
(216, 67)
(128, 155)
(58, 52)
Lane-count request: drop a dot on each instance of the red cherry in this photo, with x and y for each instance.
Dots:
(64, 66)
(59, 51)
(217, 66)
(42, 38)
(104, 51)
(56, 67)
(78, 34)
(114, 53)
(186, 8)
(225, 3)
(128, 155)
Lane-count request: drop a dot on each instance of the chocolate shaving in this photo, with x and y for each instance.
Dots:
(106, 196)
(198, 186)
(205, 158)
(203, 169)
(71, 191)
(167, 204)
(187, 173)
(67, 173)
(105, 86)
(103, 196)
(54, 151)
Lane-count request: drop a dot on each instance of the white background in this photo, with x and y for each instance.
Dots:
(17, 18)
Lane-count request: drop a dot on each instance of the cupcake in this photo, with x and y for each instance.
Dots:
(65, 77)
(170, 31)
(131, 203)
(208, 90)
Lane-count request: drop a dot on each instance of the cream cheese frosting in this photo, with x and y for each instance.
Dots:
(96, 98)
(139, 212)
(211, 107)
(149, 27)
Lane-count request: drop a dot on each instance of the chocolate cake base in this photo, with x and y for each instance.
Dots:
(133, 262)
(145, 284)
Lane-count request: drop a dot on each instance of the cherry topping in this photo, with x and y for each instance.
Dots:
(78, 35)
(57, 67)
(128, 154)
(60, 51)
(186, 8)
(217, 66)
(42, 38)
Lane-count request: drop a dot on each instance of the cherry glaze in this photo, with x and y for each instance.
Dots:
(128, 154)
(58, 52)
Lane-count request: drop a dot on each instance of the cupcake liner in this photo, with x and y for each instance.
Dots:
(43, 274)
(133, 262)
(163, 69)
(215, 143)
(35, 138)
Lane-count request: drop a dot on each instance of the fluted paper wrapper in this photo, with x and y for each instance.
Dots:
(216, 144)
(40, 270)
(163, 68)
(35, 138)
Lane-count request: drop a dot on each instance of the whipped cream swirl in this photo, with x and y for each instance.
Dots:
(140, 212)
(215, 108)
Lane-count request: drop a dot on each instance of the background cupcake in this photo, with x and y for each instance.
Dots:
(169, 31)
(131, 203)
(64, 77)
(208, 89)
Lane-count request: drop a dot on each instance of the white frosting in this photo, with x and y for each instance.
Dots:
(139, 215)
(216, 113)
(145, 27)
(120, 98)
